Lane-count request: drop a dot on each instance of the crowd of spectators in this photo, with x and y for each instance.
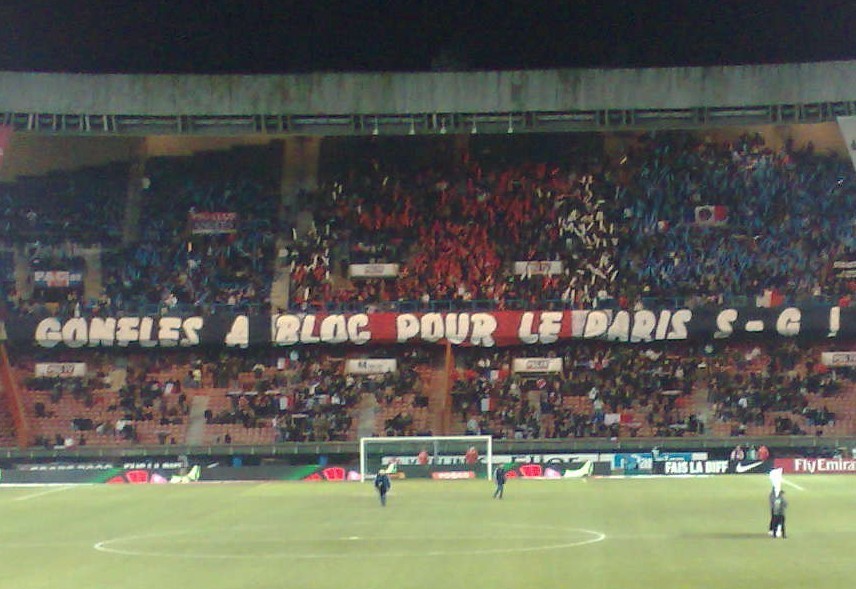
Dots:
(599, 390)
(454, 231)
(617, 226)
(785, 385)
(307, 395)
(629, 390)
(788, 216)
(85, 206)
(622, 229)
(176, 265)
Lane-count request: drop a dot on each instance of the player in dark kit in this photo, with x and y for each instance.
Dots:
(499, 479)
(382, 485)
(778, 505)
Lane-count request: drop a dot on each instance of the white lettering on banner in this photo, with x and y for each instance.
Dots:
(458, 328)
(486, 329)
(78, 332)
(288, 330)
(834, 321)
(838, 358)
(827, 465)
(639, 326)
(788, 323)
(689, 467)
(548, 328)
(60, 369)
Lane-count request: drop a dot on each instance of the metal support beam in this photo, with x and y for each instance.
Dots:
(426, 123)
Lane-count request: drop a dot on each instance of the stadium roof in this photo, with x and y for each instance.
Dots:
(348, 103)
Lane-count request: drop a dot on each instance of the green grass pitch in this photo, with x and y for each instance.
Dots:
(663, 533)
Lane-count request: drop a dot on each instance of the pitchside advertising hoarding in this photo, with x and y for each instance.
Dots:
(484, 329)
(519, 466)
(711, 467)
(816, 465)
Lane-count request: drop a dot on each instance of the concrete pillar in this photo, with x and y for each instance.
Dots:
(299, 170)
(23, 274)
(93, 276)
(134, 200)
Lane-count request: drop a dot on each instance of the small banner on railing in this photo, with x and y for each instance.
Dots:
(213, 223)
(536, 365)
(60, 369)
(532, 268)
(373, 270)
(370, 365)
(838, 358)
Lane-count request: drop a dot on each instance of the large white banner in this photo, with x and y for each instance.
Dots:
(536, 365)
(373, 270)
(60, 369)
(370, 365)
(848, 130)
(838, 358)
(531, 268)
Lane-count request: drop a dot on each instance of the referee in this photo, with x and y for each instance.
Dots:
(499, 479)
(382, 485)
(778, 506)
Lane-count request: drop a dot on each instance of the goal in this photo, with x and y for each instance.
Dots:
(440, 457)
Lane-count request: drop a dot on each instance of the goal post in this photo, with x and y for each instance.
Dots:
(428, 456)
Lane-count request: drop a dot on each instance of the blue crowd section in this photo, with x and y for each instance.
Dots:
(83, 206)
(170, 265)
(671, 219)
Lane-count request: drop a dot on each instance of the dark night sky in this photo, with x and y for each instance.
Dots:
(249, 36)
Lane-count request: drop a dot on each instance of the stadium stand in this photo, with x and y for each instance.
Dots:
(670, 219)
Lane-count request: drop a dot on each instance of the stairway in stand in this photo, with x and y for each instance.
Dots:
(435, 385)
(366, 416)
(7, 424)
(196, 425)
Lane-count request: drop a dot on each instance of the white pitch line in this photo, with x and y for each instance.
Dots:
(42, 493)
(794, 485)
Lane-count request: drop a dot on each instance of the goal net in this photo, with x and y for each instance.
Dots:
(436, 457)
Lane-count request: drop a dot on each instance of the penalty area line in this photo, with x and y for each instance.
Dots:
(794, 485)
(42, 493)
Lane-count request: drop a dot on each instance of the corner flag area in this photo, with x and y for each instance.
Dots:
(665, 533)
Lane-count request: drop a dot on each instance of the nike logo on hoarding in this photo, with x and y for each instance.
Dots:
(746, 467)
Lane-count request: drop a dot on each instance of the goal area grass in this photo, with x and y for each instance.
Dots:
(659, 532)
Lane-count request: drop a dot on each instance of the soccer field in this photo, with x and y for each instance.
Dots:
(664, 533)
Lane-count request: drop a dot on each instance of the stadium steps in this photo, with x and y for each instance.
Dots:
(196, 427)
(280, 288)
(23, 273)
(7, 425)
(93, 277)
(435, 383)
(367, 415)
